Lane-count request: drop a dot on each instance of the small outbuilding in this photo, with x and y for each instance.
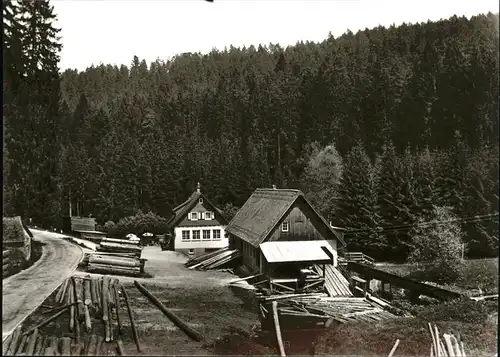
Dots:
(281, 235)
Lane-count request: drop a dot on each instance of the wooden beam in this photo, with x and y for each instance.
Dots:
(195, 335)
(277, 328)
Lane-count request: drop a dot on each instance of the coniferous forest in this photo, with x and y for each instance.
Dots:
(376, 127)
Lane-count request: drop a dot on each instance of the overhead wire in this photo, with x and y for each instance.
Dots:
(465, 220)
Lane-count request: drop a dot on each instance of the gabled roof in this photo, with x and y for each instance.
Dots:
(182, 210)
(263, 210)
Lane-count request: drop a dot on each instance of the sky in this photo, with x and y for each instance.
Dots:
(113, 31)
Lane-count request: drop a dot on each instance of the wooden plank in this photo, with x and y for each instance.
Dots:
(247, 278)
(277, 328)
(394, 348)
(131, 316)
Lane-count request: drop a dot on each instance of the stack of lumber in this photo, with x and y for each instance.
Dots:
(199, 259)
(91, 308)
(214, 260)
(335, 282)
(448, 345)
(119, 246)
(316, 310)
(116, 256)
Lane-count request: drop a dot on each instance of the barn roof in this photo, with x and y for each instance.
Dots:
(182, 210)
(262, 212)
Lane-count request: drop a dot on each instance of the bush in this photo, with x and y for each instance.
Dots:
(464, 310)
(12, 229)
(141, 223)
(110, 228)
(439, 247)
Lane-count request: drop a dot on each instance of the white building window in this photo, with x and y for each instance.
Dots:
(209, 215)
(194, 216)
(200, 200)
(191, 251)
(284, 227)
(196, 235)
(185, 235)
(216, 233)
(206, 234)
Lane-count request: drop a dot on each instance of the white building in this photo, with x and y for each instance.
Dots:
(198, 227)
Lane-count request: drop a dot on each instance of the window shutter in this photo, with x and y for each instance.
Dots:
(189, 216)
(202, 215)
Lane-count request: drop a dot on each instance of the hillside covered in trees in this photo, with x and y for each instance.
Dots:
(376, 127)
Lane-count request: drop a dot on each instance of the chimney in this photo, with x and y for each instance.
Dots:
(198, 188)
(274, 187)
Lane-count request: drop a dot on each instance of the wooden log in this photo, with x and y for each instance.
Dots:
(49, 351)
(76, 349)
(71, 302)
(30, 348)
(86, 345)
(87, 299)
(99, 345)
(195, 335)
(132, 322)
(93, 291)
(39, 346)
(77, 326)
(449, 345)
(46, 321)
(6, 344)
(92, 345)
(277, 328)
(119, 347)
(14, 342)
(66, 346)
(125, 262)
(111, 296)
(116, 255)
(60, 292)
(117, 304)
(22, 344)
(394, 348)
(118, 247)
(110, 321)
(59, 308)
(104, 297)
(107, 331)
(123, 241)
(113, 269)
(99, 292)
(78, 285)
(88, 323)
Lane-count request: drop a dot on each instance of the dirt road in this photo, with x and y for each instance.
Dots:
(25, 291)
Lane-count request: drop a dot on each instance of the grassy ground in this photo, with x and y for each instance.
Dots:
(477, 274)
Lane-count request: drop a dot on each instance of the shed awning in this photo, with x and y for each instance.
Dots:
(318, 252)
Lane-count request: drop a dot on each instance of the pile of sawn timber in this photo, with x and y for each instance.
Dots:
(116, 256)
(214, 260)
(90, 308)
(318, 310)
